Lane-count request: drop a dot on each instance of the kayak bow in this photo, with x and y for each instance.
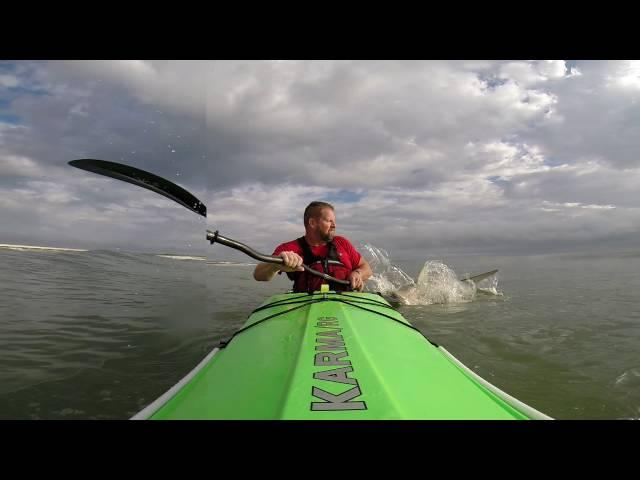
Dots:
(332, 356)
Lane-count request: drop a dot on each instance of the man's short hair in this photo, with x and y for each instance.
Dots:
(313, 210)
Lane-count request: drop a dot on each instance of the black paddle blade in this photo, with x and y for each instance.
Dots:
(142, 179)
(479, 278)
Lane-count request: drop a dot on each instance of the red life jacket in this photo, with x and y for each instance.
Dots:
(331, 265)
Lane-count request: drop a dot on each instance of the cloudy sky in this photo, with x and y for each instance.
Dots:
(419, 157)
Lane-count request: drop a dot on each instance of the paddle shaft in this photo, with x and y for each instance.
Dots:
(215, 237)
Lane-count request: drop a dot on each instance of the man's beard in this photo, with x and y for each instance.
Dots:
(327, 237)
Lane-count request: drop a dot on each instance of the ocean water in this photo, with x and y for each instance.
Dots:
(100, 334)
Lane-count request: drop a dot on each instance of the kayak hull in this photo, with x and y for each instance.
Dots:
(330, 356)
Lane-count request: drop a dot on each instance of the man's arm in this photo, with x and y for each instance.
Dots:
(360, 275)
(265, 272)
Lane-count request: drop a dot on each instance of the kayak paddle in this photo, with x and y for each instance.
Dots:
(480, 277)
(142, 179)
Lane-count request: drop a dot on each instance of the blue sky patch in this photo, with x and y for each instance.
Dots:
(7, 67)
(492, 81)
(345, 196)
(497, 180)
(9, 118)
(22, 90)
(553, 161)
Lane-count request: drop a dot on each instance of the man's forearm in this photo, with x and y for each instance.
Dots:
(365, 271)
(265, 271)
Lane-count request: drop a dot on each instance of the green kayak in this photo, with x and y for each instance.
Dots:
(328, 356)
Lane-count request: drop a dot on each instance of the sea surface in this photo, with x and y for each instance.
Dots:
(100, 334)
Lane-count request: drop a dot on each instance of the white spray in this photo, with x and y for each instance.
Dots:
(436, 282)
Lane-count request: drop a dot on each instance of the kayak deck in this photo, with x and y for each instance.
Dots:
(332, 356)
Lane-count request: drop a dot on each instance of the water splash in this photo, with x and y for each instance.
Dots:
(436, 283)
(386, 277)
(489, 286)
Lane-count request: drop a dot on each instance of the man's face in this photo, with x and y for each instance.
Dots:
(325, 224)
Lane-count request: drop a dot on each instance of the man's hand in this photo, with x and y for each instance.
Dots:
(292, 262)
(356, 280)
(266, 271)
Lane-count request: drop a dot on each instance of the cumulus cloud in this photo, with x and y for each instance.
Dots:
(416, 155)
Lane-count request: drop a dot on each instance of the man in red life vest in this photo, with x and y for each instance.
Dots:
(319, 249)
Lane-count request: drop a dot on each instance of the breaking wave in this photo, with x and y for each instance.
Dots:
(33, 248)
(183, 257)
